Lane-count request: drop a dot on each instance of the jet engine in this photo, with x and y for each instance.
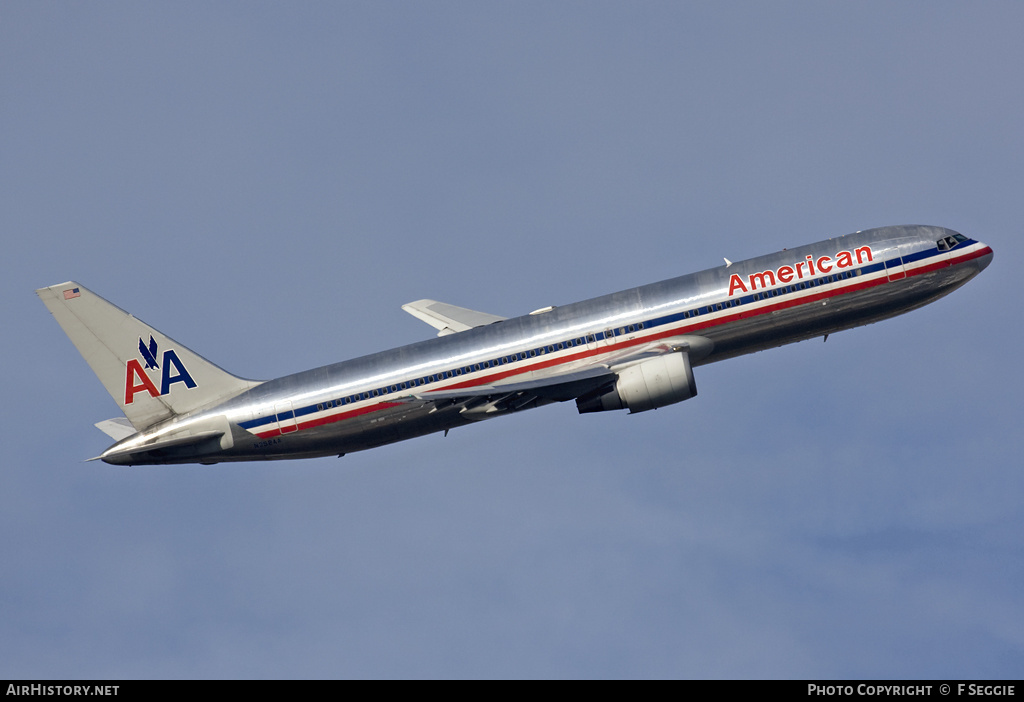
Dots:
(650, 384)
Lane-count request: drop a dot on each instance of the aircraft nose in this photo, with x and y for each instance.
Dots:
(984, 259)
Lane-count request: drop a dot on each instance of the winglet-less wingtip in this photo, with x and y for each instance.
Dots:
(449, 319)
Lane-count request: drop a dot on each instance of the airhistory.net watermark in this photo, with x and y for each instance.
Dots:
(62, 690)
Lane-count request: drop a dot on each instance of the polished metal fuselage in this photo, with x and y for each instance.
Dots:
(310, 413)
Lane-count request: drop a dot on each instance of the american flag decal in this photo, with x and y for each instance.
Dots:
(71, 293)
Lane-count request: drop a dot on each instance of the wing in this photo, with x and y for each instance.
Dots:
(449, 319)
(557, 383)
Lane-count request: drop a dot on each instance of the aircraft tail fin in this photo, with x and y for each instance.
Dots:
(150, 376)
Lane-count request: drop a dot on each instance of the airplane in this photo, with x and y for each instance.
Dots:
(633, 350)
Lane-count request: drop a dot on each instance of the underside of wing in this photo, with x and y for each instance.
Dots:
(656, 373)
(483, 401)
(563, 386)
(449, 319)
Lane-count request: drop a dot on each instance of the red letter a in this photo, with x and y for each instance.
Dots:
(736, 283)
(133, 371)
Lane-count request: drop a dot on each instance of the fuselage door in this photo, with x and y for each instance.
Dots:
(285, 416)
(894, 263)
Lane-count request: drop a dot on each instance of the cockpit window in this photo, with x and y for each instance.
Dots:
(948, 242)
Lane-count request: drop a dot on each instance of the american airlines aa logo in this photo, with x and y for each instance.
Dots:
(136, 379)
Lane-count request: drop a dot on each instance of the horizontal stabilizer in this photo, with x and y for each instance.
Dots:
(117, 428)
(449, 319)
(195, 440)
(124, 455)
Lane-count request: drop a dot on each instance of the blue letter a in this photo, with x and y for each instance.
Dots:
(171, 359)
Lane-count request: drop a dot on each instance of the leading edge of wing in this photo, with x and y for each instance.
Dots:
(564, 386)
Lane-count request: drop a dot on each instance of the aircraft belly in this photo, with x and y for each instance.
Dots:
(357, 434)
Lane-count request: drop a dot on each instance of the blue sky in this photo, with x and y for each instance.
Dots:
(268, 184)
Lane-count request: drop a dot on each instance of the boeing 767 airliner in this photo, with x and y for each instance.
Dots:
(633, 350)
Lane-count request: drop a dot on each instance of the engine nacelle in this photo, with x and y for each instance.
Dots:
(653, 383)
